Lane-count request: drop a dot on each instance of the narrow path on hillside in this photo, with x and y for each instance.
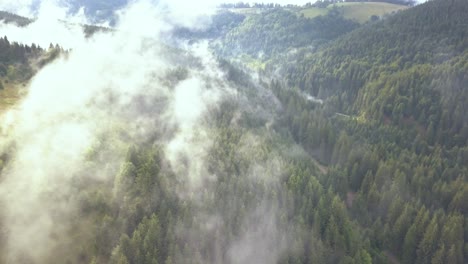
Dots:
(322, 168)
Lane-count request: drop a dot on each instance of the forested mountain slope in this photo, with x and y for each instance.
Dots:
(392, 127)
(407, 67)
(400, 148)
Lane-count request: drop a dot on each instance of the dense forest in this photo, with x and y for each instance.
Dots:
(19, 62)
(392, 129)
(332, 142)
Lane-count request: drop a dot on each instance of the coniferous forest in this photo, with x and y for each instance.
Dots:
(260, 137)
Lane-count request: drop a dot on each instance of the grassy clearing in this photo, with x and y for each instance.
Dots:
(357, 11)
(362, 12)
(314, 12)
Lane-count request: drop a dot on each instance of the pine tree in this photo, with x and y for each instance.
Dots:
(452, 256)
(414, 236)
(428, 244)
(439, 256)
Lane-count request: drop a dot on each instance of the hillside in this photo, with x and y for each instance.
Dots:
(277, 31)
(10, 95)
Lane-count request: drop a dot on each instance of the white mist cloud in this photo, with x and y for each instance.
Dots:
(111, 80)
(262, 242)
(187, 151)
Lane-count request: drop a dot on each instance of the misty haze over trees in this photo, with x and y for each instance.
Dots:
(262, 133)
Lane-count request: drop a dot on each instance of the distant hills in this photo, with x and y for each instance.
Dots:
(7, 17)
(359, 11)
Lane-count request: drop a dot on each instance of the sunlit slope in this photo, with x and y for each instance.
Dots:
(358, 11)
(9, 96)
